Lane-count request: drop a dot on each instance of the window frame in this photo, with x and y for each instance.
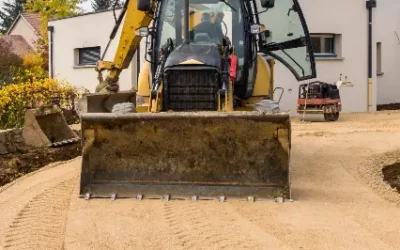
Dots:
(79, 57)
(323, 37)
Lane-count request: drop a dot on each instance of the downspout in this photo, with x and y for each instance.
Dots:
(50, 30)
(370, 5)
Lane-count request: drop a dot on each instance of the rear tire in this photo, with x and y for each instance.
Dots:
(124, 108)
(331, 117)
(336, 116)
(328, 117)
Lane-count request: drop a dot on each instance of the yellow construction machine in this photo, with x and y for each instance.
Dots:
(203, 122)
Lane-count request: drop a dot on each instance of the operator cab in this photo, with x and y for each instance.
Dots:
(191, 33)
(211, 24)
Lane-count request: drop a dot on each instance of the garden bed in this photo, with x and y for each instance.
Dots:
(18, 159)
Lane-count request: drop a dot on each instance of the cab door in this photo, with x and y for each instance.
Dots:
(287, 38)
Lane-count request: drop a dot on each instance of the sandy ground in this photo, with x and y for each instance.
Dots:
(340, 202)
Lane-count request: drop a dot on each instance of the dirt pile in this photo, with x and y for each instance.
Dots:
(391, 174)
(379, 175)
(23, 159)
(11, 141)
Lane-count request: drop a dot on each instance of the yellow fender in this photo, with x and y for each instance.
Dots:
(264, 80)
(144, 87)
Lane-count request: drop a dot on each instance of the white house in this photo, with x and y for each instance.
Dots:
(77, 43)
(340, 28)
(339, 31)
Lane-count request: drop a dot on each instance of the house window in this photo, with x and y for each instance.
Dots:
(323, 45)
(379, 59)
(88, 56)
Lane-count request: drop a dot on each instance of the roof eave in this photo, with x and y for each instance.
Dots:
(13, 24)
(36, 31)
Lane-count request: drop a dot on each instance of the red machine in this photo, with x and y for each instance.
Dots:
(319, 98)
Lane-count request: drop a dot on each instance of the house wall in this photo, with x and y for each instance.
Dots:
(86, 31)
(387, 32)
(348, 20)
(24, 29)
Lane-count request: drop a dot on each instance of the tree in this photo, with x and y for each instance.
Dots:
(105, 4)
(53, 9)
(101, 4)
(9, 62)
(9, 13)
(50, 9)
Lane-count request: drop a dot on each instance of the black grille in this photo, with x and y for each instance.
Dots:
(191, 90)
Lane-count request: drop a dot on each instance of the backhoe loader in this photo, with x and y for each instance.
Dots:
(203, 122)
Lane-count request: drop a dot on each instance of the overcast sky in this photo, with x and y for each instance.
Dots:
(86, 6)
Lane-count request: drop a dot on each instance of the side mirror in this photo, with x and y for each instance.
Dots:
(143, 5)
(267, 3)
(143, 31)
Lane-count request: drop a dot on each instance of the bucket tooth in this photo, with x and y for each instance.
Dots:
(250, 199)
(166, 197)
(87, 196)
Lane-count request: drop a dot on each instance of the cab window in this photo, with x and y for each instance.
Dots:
(287, 37)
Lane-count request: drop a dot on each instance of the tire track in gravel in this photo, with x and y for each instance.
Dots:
(18, 194)
(46, 173)
(326, 214)
(207, 225)
(41, 223)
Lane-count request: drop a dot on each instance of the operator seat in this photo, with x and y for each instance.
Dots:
(206, 26)
(202, 38)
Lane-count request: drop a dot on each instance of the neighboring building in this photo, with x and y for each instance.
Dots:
(17, 45)
(387, 51)
(23, 34)
(26, 25)
(339, 31)
(77, 43)
(340, 38)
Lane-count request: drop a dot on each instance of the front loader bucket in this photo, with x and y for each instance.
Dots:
(46, 127)
(186, 155)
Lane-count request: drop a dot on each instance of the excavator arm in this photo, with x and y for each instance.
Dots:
(128, 44)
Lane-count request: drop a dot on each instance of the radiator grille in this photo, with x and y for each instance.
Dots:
(191, 90)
